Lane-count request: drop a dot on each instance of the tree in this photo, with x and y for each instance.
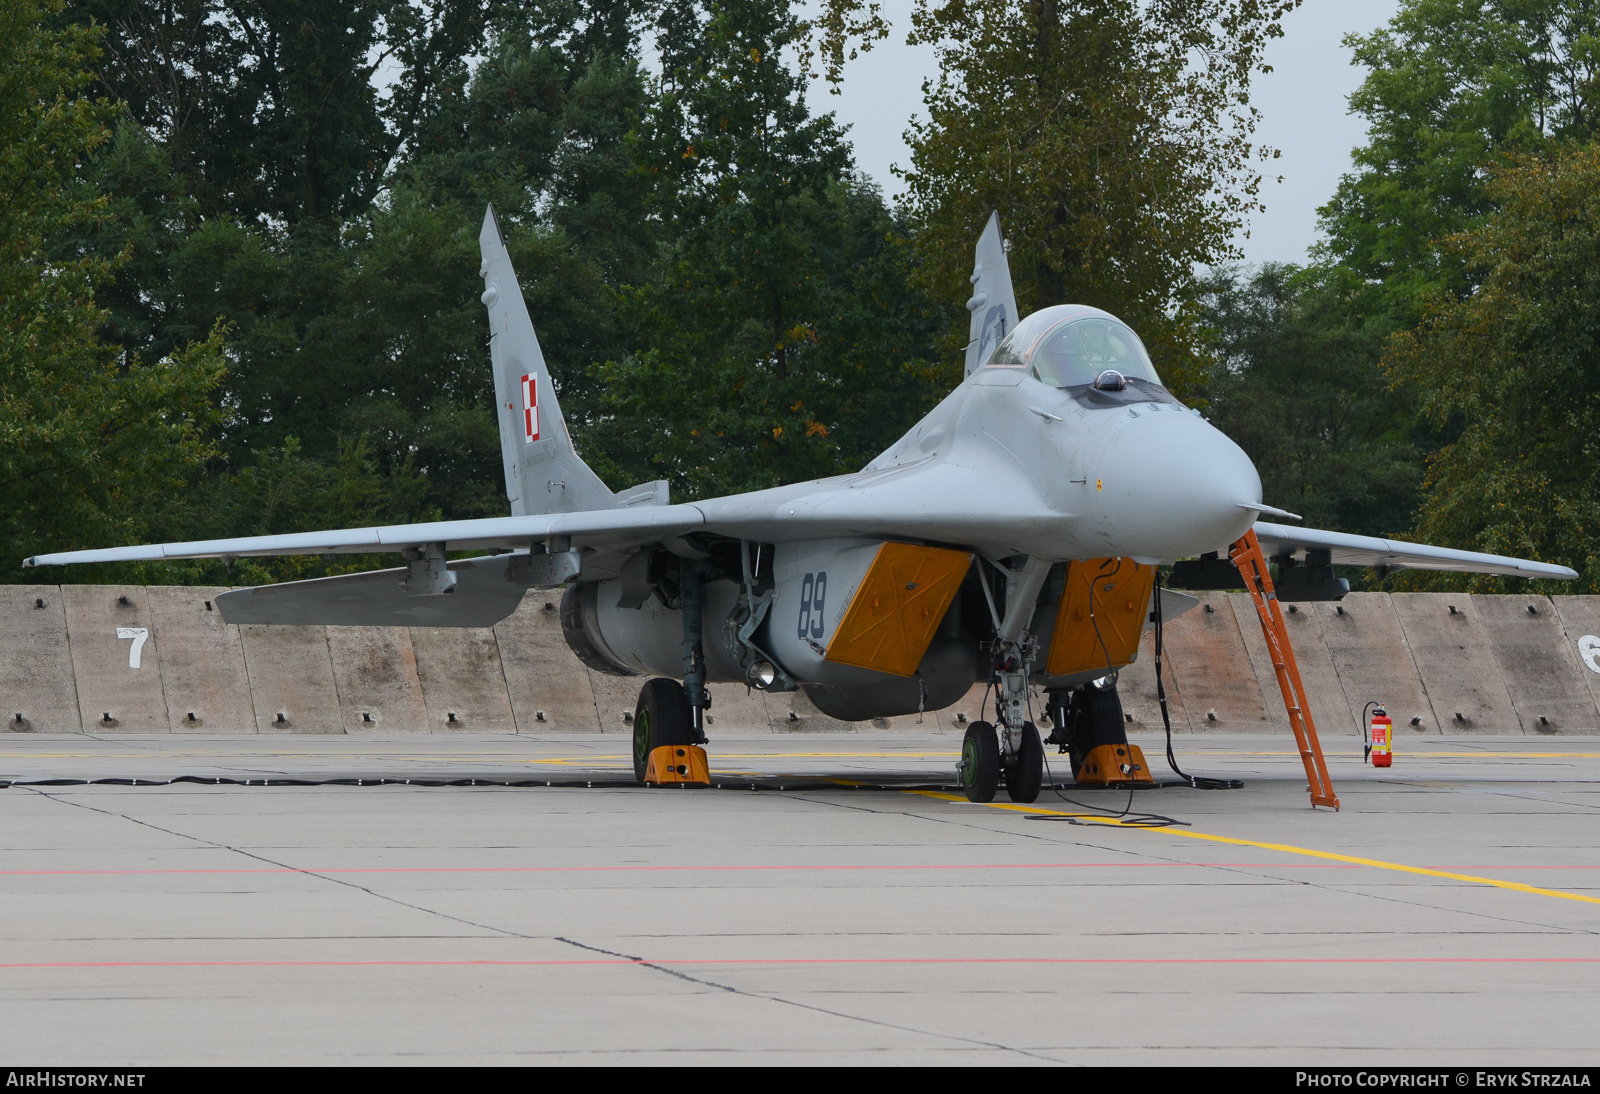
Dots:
(1452, 86)
(357, 329)
(1296, 382)
(776, 338)
(733, 318)
(270, 108)
(89, 440)
(1112, 136)
(1515, 359)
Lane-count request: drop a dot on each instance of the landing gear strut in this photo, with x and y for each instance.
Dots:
(669, 722)
(1017, 753)
(691, 586)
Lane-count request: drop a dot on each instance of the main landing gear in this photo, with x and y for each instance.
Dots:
(664, 747)
(669, 722)
(1088, 725)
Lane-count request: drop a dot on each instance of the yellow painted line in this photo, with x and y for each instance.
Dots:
(1421, 753)
(1285, 848)
(506, 755)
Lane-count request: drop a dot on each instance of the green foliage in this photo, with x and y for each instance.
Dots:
(723, 301)
(1112, 136)
(1298, 385)
(271, 110)
(777, 340)
(89, 440)
(367, 325)
(1451, 86)
(283, 491)
(1515, 360)
(338, 245)
(704, 404)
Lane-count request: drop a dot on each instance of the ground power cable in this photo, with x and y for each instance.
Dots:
(769, 783)
(1198, 782)
(1127, 818)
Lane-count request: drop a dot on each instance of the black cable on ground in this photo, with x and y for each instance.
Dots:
(1198, 782)
(770, 783)
(1128, 817)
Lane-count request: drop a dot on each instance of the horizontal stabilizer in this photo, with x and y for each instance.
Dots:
(483, 595)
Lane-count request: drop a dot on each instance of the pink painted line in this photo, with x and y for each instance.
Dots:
(764, 961)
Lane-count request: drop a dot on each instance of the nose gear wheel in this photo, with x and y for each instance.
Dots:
(1025, 773)
(980, 763)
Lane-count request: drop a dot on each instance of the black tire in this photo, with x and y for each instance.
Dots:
(980, 763)
(1026, 775)
(661, 718)
(1095, 719)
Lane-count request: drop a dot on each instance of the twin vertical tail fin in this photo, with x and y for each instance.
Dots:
(993, 304)
(544, 473)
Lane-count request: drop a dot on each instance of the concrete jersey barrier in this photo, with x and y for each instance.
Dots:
(131, 659)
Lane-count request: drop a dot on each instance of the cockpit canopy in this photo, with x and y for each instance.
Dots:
(1070, 345)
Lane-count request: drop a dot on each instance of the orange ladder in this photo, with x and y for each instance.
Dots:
(1246, 554)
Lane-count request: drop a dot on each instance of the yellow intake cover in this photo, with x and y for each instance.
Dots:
(1110, 592)
(897, 608)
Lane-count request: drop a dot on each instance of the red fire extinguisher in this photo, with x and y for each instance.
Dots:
(1380, 743)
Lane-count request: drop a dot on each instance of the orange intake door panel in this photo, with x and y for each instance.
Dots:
(1101, 615)
(897, 608)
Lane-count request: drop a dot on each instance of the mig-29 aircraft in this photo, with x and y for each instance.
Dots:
(1012, 537)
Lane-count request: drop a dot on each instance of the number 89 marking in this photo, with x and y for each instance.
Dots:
(813, 591)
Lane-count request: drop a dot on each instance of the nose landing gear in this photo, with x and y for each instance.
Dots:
(1014, 750)
(982, 766)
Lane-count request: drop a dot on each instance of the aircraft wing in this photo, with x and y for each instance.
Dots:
(609, 527)
(1393, 554)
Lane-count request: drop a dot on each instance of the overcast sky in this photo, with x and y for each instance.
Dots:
(1302, 102)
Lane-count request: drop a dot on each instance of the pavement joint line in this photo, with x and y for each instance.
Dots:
(772, 997)
(787, 867)
(664, 964)
(246, 853)
(1284, 848)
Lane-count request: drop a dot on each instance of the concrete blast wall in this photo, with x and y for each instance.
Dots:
(131, 659)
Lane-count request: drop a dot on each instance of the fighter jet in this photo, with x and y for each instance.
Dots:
(1012, 537)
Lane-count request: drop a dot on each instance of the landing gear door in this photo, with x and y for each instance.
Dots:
(813, 585)
(843, 607)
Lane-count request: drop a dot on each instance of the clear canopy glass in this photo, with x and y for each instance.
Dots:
(1063, 347)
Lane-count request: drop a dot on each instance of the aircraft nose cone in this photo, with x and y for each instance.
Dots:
(1170, 485)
